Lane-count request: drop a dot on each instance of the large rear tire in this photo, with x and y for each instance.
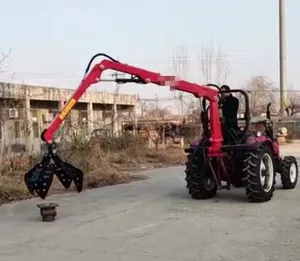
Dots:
(200, 183)
(260, 174)
(289, 172)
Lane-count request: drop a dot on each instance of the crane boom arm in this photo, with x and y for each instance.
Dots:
(144, 77)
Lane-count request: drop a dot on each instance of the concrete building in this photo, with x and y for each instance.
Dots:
(25, 111)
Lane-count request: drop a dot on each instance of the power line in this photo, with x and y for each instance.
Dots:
(58, 73)
(166, 99)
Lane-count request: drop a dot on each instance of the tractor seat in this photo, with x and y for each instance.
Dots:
(231, 135)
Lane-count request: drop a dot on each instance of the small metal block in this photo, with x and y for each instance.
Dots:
(48, 211)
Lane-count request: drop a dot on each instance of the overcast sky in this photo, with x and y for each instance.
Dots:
(52, 41)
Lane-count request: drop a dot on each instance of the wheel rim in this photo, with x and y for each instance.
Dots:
(293, 173)
(266, 172)
(209, 184)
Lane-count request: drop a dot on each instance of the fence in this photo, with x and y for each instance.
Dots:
(191, 131)
(292, 125)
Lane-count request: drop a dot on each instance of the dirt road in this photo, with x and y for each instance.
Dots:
(153, 220)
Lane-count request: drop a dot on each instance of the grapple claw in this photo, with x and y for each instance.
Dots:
(75, 174)
(28, 178)
(66, 173)
(39, 180)
(40, 177)
(61, 173)
(63, 178)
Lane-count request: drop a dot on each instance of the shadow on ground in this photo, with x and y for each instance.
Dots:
(237, 195)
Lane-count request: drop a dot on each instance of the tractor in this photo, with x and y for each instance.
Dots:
(249, 159)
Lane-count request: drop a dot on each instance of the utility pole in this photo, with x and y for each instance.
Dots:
(115, 110)
(282, 55)
(181, 102)
(156, 102)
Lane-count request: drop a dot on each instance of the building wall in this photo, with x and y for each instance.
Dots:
(37, 106)
(8, 90)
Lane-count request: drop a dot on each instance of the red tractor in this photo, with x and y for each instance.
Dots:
(249, 159)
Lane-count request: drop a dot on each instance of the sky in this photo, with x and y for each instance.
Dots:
(51, 42)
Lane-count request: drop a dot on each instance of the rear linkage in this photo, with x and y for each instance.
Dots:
(39, 178)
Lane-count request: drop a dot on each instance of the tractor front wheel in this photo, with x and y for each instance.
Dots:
(260, 172)
(200, 183)
(289, 172)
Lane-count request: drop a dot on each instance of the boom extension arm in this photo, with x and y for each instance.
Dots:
(144, 77)
(40, 177)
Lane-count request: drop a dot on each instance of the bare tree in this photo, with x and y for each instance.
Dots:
(180, 67)
(3, 60)
(292, 101)
(154, 113)
(261, 91)
(154, 124)
(214, 66)
(3, 63)
(194, 111)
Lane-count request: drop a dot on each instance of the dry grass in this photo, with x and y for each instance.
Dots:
(104, 162)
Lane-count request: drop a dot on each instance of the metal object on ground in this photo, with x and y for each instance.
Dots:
(48, 211)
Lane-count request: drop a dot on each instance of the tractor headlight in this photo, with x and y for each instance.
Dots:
(258, 134)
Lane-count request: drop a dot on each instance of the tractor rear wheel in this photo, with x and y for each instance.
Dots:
(200, 183)
(289, 172)
(260, 172)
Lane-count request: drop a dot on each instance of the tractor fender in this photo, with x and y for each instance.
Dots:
(255, 141)
(196, 142)
(194, 145)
